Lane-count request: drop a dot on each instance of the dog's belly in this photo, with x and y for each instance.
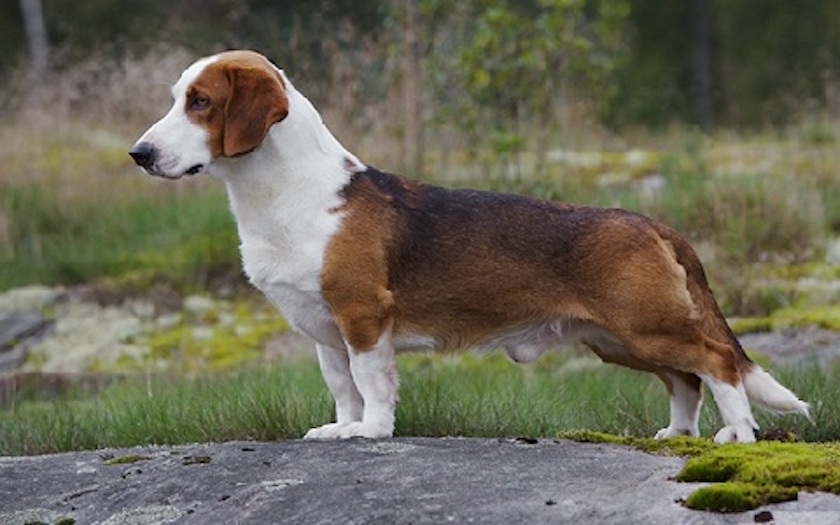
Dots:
(523, 343)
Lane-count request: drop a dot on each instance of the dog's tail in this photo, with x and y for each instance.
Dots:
(769, 394)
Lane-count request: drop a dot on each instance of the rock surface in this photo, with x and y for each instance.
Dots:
(410, 480)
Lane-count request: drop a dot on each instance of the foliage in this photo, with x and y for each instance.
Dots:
(513, 58)
(772, 61)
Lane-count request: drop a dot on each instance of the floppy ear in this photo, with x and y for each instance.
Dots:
(257, 101)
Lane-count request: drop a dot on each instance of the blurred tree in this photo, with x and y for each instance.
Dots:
(412, 132)
(776, 58)
(517, 57)
(36, 36)
(653, 80)
(748, 63)
(703, 55)
(482, 63)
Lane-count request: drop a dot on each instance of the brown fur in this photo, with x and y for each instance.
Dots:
(237, 124)
(464, 266)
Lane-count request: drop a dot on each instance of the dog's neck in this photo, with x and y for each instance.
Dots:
(298, 170)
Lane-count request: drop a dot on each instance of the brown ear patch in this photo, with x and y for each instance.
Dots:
(248, 97)
(257, 101)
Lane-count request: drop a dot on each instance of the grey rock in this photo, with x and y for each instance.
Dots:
(405, 480)
(15, 329)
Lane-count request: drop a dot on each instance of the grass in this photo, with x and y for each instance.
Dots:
(440, 396)
(256, 404)
(186, 238)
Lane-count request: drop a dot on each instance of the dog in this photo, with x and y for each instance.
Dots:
(368, 263)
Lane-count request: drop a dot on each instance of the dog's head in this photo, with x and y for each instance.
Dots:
(223, 106)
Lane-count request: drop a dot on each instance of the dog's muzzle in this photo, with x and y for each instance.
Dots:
(146, 155)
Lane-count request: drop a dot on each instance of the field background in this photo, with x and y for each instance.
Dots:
(720, 120)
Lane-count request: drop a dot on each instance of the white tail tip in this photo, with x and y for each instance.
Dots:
(769, 394)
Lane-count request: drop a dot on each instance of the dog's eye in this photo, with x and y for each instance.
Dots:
(200, 103)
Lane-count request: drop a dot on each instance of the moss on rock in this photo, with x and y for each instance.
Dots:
(744, 476)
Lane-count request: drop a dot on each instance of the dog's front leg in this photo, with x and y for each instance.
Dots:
(335, 368)
(375, 375)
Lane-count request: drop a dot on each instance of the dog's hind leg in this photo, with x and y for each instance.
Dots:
(731, 399)
(713, 362)
(335, 368)
(685, 391)
(685, 394)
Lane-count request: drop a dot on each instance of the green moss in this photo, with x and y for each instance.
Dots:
(822, 316)
(744, 476)
(737, 497)
(196, 460)
(751, 325)
(678, 446)
(125, 460)
(589, 436)
(228, 335)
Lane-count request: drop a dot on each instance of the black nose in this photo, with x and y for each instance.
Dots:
(143, 154)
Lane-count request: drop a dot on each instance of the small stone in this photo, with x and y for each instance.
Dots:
(197, 304)
(832, 251)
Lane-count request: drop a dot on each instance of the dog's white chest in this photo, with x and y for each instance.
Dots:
(285, 223)
(291, 283)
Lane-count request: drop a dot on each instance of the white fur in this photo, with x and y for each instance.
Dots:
(766, 392)
(182, 143)
(685, 404)
(349, 405)
(282, 194)
(374, 374)
(739, 424)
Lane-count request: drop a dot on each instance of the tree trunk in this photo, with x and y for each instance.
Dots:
(702, 88)
(36, 34)
(412, 134)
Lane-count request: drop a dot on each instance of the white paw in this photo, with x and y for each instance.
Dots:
(366, 429)
(348, 430)
(328, 431)
(669, 432)
(735, 434)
